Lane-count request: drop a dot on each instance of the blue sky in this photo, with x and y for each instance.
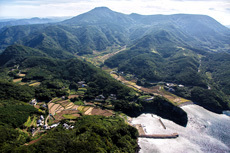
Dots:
(218, 9)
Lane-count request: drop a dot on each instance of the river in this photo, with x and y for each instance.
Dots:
(205, 132)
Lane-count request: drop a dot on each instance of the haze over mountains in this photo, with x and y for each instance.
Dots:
(35, 20)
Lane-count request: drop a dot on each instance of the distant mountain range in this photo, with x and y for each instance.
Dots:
(35, 20)
(102, 27)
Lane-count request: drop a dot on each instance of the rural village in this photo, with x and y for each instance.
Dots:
(69, 108)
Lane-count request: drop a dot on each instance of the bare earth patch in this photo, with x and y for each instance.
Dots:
(98, 111)
(50, 105)
(22, 75)
(70, 105)
(59, 116)
(64, 103)
(53, 109)
(73, 96)
(17, 80)
(88, 112)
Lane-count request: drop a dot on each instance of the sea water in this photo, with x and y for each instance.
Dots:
(205, 132)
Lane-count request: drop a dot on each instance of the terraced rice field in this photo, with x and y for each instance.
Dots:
(59, 109)
(64, 109)
(73, 96)
(69, 106)
(88, 111)
(66, 114)
(159, 90)
(64, 103)
(22, 75)
(35, 84)
(17, 80)
(54, 108)
(50, 105)
(99, 111)
(74, 107)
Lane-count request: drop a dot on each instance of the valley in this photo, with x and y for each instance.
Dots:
(104, 81)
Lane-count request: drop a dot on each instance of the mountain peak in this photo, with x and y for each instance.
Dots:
(100, 15)
(102, 8)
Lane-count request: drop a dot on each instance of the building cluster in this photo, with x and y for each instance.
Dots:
(170, 86)
(66, 126)
(82, 84)
(33, 102)
(102, 97)
(40, 121)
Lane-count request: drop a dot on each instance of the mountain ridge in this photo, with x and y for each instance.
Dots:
(114, 28)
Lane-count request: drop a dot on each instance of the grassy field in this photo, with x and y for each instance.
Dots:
(34, 122)
(28, 122)
(69, 116)
(79, 103)
(35, 84)
(81, 91)
(209, 75)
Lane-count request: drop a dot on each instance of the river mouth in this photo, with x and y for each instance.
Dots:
(205, 132)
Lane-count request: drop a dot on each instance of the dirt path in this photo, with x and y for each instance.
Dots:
(34, 141)
(38, 129)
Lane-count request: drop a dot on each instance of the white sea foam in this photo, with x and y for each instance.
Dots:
(205, 132)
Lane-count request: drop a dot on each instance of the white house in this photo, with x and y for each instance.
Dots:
(33, 102)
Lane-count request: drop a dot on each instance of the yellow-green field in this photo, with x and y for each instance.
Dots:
(69, 116)
(17, 80)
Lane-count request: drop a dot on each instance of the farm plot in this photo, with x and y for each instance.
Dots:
(55, 108)
(67, 114)
(99, 111)
(89, 110)
(22, 75)
(30, 122)
(63, 103)
(159, 90)
(69, 106)
(35, 84)
(17, 80)
(73, 96)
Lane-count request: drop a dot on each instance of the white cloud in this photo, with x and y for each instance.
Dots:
(43, 8)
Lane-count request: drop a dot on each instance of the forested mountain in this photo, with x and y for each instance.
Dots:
(100, 16)
(159, 47)
(102, 27)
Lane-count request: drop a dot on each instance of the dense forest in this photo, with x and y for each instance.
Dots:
(153, 67)
(190, 67)
(92, 134)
